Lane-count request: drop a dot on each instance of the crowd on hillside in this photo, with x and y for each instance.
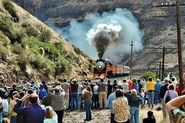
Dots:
(43, 103)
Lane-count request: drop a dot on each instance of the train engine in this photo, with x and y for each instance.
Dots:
(106, 69)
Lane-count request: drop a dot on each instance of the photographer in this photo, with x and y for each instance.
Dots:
(176, 115)
(33, 113)
(58, 101)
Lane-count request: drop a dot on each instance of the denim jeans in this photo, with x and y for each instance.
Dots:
(87, 106)
(79, 101)
(143, 100)
(13, 119)
(74, 101)
(134, 111)
(157, 97)
(150, 97)
(1, 118)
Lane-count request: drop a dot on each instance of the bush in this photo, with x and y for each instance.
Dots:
(11, 9)
(61, 65)
(6, 26)
(47, 57)
(45, 34)
(17, 49)
(3, 53)
(30, 31)
(22, 61)
(148, 74)
(4, 40)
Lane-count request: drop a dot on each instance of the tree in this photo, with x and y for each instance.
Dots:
(148, 74)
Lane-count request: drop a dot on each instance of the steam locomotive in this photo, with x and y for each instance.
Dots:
(106, 69)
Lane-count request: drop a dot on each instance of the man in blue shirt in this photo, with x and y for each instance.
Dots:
(157, 88)
(33, 113)
(111, 98)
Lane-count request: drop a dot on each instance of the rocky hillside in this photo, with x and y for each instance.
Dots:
(157, 31)
(29, 49)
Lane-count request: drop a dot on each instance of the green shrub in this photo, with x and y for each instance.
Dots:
(148, 74)
(11, 9)
(45, 34)
(61, 65)
(3, 53)
(6, 26)
(47, 57)
(30, 31)
(4, 40)
(17, 48)
(22, 61)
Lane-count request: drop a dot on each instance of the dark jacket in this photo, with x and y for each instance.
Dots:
(163, 90)
(74, 87)
(134, 101)
(31, 114)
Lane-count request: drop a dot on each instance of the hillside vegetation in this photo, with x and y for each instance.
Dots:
(29, 49)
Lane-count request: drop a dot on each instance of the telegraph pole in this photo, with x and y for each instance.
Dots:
(160, 70)
(163, 62)
(131, 55)
(179, 42)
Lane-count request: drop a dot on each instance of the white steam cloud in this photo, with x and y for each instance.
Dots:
(118, 27)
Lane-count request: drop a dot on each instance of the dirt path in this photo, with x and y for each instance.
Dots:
(103, 116)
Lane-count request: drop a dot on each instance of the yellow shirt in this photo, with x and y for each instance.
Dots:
(11, 107)
(150, 85)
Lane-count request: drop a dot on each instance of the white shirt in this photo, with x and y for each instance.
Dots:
(95, 88)
(5, 105)
(125, 86)
(80, 87)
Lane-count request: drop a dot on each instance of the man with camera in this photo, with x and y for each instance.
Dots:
(33, 113)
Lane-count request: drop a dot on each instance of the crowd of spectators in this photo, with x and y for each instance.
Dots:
(41, 102)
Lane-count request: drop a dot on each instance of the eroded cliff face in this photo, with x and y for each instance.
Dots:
(29, 49)
(157, 31)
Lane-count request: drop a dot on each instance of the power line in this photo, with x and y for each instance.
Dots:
(179, 42)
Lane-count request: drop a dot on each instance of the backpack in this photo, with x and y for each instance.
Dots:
(168, 98)
(42, 94)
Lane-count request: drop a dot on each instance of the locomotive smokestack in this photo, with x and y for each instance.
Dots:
(103, 36)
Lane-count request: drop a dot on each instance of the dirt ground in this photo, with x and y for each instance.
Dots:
(103, 116)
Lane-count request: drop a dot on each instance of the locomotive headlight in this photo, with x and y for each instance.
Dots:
(100, 65)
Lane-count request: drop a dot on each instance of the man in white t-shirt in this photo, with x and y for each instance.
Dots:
(95, 101)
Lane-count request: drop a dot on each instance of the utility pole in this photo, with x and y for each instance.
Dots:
(160, 70)
(163, 59)
(163, 62)
(131, 55)
(179, 42)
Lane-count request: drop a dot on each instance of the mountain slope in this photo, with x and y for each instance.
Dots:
(31, 50)
(157, 31)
